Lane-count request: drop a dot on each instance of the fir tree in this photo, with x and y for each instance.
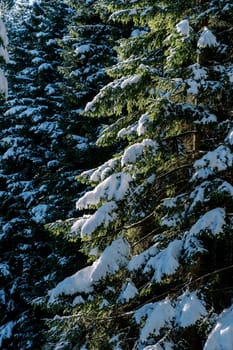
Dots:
(159, 223)
(32, 123)
(87, 51)
(33, 152)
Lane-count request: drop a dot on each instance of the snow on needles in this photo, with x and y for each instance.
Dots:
(183, 28)
(163, 263)
(183, 312)
(110, 261)
(115, 187)
(189, 309)
(207, 39)
(6, 331)
(129, 291)
(166, 262)
(131, 80)
(88, 224)
(212, 222)
(221, 337)
(217, 160)
(161, 315)
(135, 151)
(143, 124)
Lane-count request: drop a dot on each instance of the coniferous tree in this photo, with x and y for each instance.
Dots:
(159, 225)
(33, 152)
(35, 111)
(88, 49)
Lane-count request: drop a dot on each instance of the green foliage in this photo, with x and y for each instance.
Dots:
(161, 101)
(166, 89)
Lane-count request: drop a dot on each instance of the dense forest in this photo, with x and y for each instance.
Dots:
(116, 158)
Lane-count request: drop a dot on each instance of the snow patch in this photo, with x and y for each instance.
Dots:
(199, 75)
(111, 260)
(221, 337)
(183, 28)
(4, 269)
(83, 49)
(6, 331)
(166, 262)
(162, 315)
(190, 309)
(207, 39)
(143, 124)
(129, 291)
(4, 54)
(78, 300)
(115, 187)
(135, 151)
(229, 138)
(103, 216)
(3, 33)
(213, 221)
(207, 118)
(131, 80)
(198, 195)
(3, 83)
(2, 296)
(39, 213)
(227, 188)
(140, 259)
(170, 221)
(137, 32)
(103, 171)
(44, 66)
(218, 160)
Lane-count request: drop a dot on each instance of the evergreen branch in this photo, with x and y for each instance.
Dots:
(173, 291)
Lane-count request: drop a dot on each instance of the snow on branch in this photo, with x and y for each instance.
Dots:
(110, 261)
(104, 170)
(214, 161)
(183, 28)
(212, 222)
(89, 223)
(166, 262)
(6, 331)
(160, 316)
(108, 90)
(136, 151)
(183, 312)
(207, 39)
(115, 187)
(189, 309)
(221, 336)
(129, 291)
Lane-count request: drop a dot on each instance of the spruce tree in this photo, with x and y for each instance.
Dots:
(33, 154)
(88, 48)
(158, 222)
